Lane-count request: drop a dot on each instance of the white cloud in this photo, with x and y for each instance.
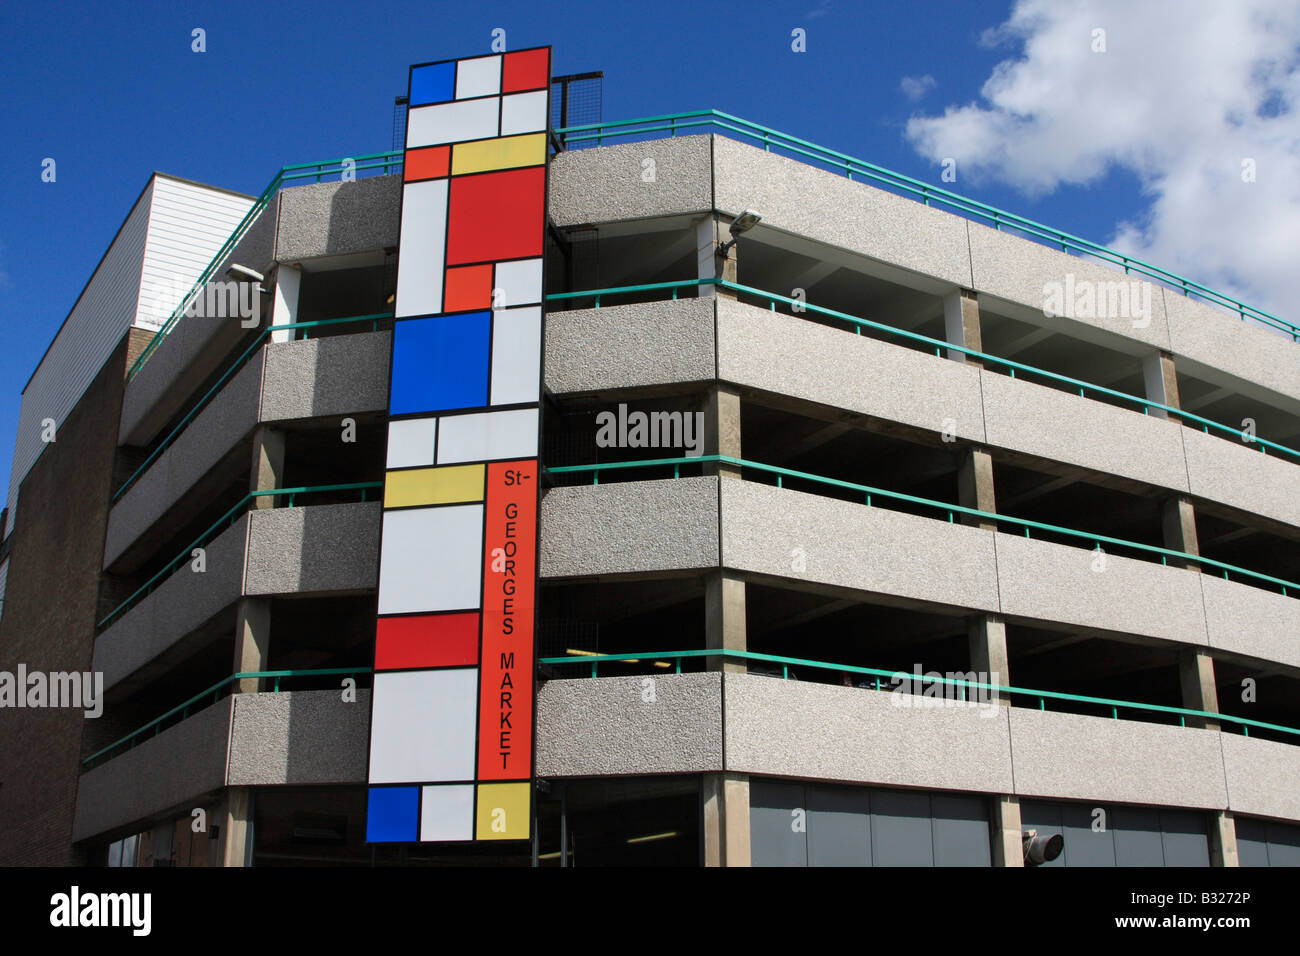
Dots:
(915, 87)
(1185, 91)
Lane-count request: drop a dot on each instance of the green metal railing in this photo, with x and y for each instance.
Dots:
(317, 172)
(704, 120)
(229, 373)
(182, 710)
(869, 492)
(938, 345)
(227, 519)
(1041, 696)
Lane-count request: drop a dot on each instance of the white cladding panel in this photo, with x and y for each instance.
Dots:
(169, 237)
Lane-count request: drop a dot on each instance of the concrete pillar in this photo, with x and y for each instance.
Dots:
(1160, 378)
(724, 619)
(722, 428)
(266, 470)
(237, 827)
(1196, 678)
(987, 636)
(1008, 847)
(961, 324)
(726, 819)
(975, 487)
(1178, 525)
(252, 641)
(1223, 840)
(709, 235)
(288, 280)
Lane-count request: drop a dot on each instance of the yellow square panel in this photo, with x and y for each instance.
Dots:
(503, 810)
(433, 486)
(508, 152)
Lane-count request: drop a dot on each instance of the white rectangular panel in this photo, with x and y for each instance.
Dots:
(447, 813)
(523, 113)
(516, 355)
(431, 559)
(485, 436)
(478, 77)
(422, 725)
(420, 265)
(517, 283)
(451, 123)
(411, 442)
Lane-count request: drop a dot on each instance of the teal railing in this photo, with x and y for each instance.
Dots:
(868, 492)
(227, 519)
(389, 162)
(1041, 696)
(182, 710)
(770, 139)
(229, 373)
(938, 345)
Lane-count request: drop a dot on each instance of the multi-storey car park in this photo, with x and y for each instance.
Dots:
(1086, 524)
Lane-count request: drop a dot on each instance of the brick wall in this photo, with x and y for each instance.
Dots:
(50, 612)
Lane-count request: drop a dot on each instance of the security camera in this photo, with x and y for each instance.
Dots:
(1041, 849)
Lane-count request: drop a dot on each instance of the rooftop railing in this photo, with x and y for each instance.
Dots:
(714, 120)
(868, 492)
(1039, 697)
(595, 134)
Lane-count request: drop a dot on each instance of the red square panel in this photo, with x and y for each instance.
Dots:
(428, 163)
(427, 640)
(467, 288)
(496, 216)
(526, 70)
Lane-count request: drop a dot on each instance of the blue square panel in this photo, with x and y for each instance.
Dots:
(440, 363)
(433, 84)
(393, 815)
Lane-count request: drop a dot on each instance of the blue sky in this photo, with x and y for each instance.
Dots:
(113, 96)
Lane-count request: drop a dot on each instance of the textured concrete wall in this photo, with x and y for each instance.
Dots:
(298, 737)
(850, 545)
(208, 438)
(179, 765)
(605, 185)
(1060, 426)
(629, 527)
(50, 609)
(607, 726)
(1214, 339)
(313, 549)
(342, 374)
(1263, 776)
(1017, 270)
(1071, 757)
(789, 356)
(337, 219)
(1240, 476)
(624, 346)
(194, 347)
(181, 603)
(1249, 620)
(824, 732)
(826, 207)
(1053, 582)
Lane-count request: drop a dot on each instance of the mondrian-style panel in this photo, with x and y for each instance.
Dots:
(451, 748)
